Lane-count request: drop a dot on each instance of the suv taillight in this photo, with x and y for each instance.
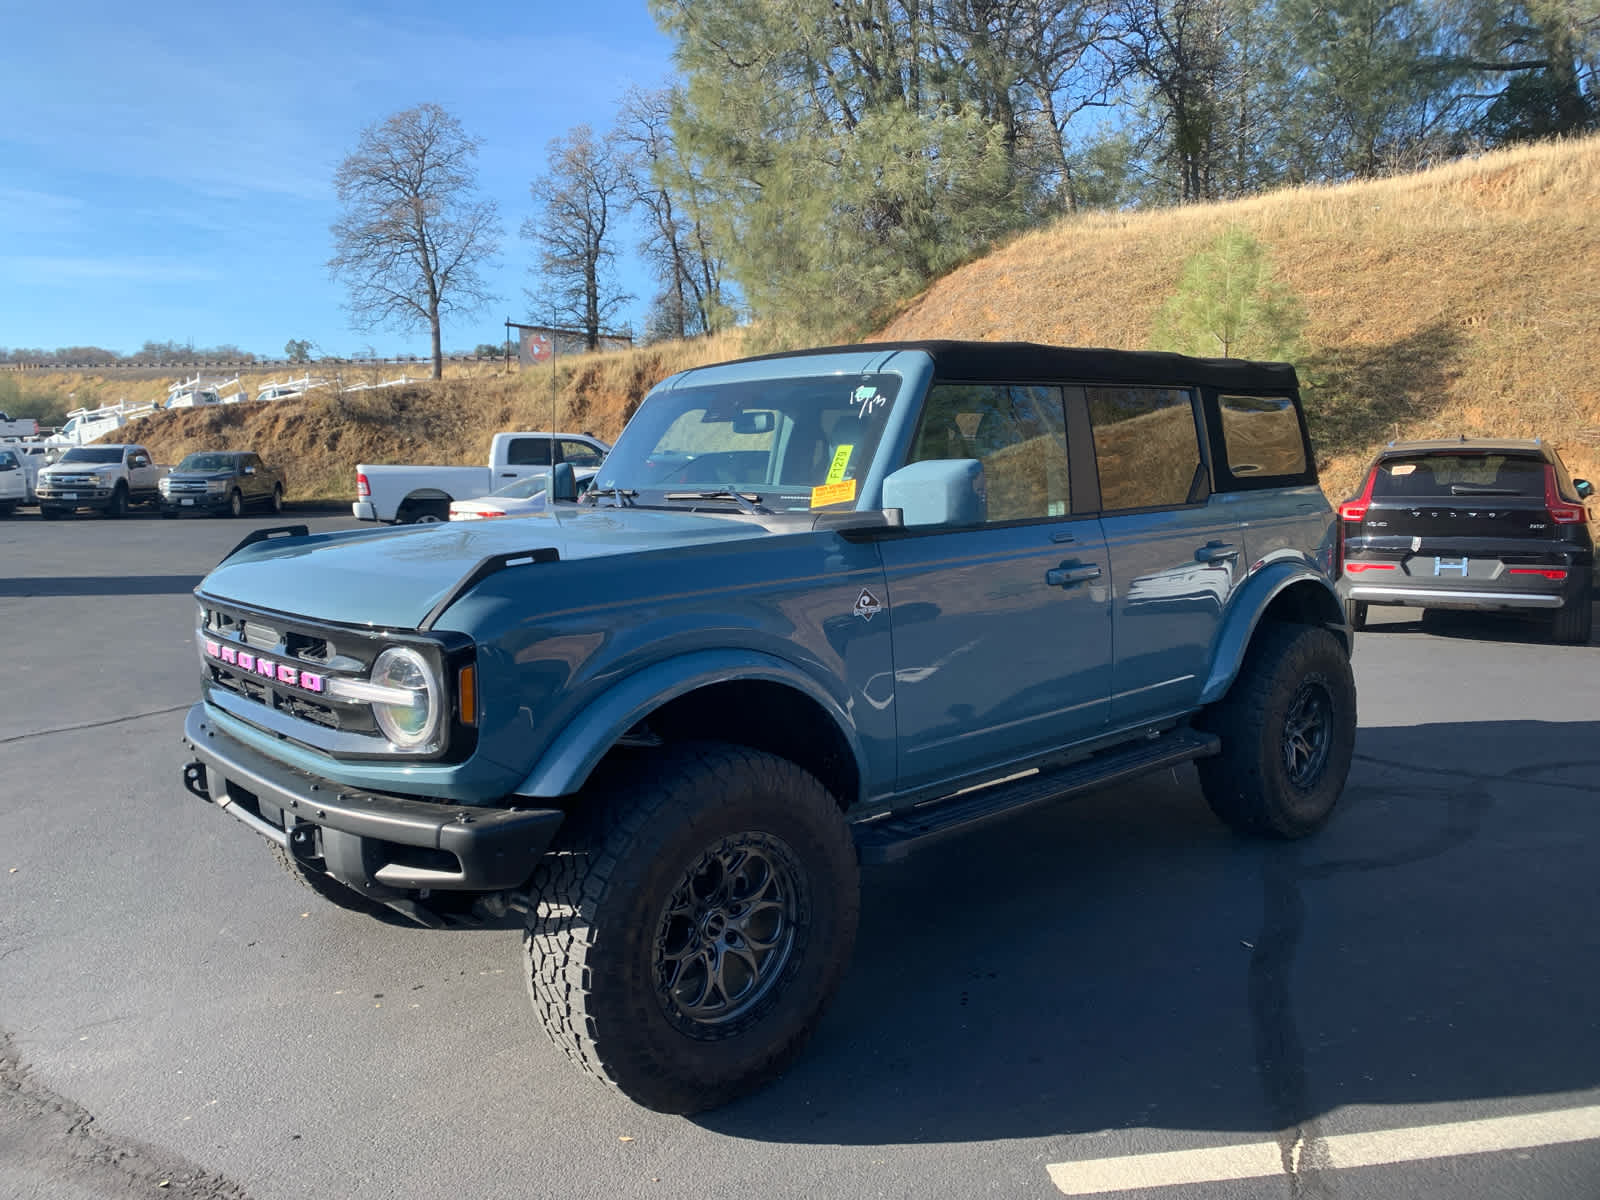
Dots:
(1353, 512)
(1562, 512)
(363, 488)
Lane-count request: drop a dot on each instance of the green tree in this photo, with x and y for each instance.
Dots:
(1229, 305)
(297, 350)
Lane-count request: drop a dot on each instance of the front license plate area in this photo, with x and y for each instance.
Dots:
(187, 500)
(1460, 568)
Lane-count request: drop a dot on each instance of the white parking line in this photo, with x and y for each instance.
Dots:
(1259, 1160)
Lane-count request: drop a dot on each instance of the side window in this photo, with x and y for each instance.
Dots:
(528, 452)
(8, 461)
(1262, 435)
(1018, 432)
(1147, 444)
(579, 454)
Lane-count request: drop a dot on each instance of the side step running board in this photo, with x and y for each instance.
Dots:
(893, 837)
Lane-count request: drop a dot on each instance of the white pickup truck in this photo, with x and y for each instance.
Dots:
(13, 481)
(404, 495)
(105, 478)
(18, 427)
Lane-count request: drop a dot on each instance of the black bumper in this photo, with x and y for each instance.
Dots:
(380, 845)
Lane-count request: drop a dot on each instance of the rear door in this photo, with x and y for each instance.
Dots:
(1456, 521)
(1176, 551)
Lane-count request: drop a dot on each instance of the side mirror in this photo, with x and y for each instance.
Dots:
(249, 470)
(1585, 488)
(943, 491)
(563, 483)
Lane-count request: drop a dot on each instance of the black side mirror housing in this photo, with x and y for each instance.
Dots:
(563, 483)
(1585, 488)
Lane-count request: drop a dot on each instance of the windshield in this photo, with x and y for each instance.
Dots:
(93, 454)
(797, 443)
(207, 462)
(521, 489)
(1438, 475)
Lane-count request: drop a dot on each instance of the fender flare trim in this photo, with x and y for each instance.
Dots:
(565, 765)
(1246, 611)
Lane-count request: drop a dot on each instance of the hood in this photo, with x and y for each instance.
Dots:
(221, 474)
(392, 578)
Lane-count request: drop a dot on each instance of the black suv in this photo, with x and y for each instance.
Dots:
(1486, 525)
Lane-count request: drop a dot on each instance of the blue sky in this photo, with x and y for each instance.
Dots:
(166, 169)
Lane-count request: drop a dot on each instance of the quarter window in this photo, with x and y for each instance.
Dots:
(1262, 436)
(579, 454)
(1147, 445)
(1019, 434)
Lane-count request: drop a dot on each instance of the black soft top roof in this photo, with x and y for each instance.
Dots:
(959, 360)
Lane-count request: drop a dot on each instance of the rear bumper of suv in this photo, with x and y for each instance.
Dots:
(1479, 600)
(380, 845)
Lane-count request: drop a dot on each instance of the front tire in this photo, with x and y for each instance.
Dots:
(1288, 729)
(118, 507)
(277, 498)
(236, 503)
(1575, 619)
(692, 923)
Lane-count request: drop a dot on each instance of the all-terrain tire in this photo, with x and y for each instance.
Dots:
(1355, 613)
(1288, 730)
(1574, 620)
(692, 922)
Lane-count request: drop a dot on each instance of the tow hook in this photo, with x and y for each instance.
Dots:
(194, 779)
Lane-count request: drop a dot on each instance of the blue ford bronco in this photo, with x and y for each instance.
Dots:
(817, 610)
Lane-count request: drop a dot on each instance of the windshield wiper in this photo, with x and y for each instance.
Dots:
(620, 497)
(750, 502)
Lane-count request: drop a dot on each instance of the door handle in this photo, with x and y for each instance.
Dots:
(508, 474)
(1216, 552)
(1068, 574)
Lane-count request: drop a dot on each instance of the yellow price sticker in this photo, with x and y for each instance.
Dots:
(833, 493)
(841, 460)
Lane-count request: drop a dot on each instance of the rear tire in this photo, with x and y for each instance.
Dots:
(691, 923)
(1288, 729)
(1575, 619)
(1355, 613)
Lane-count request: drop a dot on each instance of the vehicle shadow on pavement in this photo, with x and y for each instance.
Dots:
(93, 585)
(1123, 961)
(1483, 627)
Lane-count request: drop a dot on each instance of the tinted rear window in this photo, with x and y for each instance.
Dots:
(1438, 475)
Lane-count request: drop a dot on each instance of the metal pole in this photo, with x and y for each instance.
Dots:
(552, 383)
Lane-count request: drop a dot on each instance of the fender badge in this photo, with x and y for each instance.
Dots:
(867, 605)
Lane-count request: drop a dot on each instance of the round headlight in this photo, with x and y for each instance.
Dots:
(415, 723)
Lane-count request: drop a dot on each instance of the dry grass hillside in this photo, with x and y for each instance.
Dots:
(1459, 300)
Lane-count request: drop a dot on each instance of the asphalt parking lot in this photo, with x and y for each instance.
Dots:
(1112, 997)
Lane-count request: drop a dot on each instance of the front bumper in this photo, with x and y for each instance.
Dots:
(77, 497)
(195, 502)
(381, 845)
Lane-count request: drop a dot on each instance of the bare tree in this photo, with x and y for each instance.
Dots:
(677, 244)
(588, 181)
(413, 233)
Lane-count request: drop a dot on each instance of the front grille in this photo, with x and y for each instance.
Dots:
(186, 486)
(300, 647)
(73, 481)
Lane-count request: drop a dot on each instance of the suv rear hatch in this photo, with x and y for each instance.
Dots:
(1468, 520)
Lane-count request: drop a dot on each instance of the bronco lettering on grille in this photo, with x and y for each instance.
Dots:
(266, 668)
